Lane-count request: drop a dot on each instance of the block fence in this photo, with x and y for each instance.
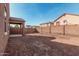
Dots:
(64, 29)
(30, 30)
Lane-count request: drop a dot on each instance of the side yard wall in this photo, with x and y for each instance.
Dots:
(45, 29)
(57, 29)
(67, 29)
(72, 30)
(30, 30)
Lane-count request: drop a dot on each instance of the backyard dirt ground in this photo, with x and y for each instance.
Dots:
(43, 45)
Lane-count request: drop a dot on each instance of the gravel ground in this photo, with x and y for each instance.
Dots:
(42, 45)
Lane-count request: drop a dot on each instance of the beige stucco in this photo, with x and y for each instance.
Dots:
(71, 19)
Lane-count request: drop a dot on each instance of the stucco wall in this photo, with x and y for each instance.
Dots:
(70, 18)
(3, 35)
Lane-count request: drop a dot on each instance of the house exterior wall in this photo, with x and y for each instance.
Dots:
(4, 26)
(69, 18)
(60, 21)
(72, 19)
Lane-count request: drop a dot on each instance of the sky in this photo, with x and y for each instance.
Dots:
(37, 13)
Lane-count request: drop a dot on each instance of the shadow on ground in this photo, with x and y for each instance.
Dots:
(39, 46)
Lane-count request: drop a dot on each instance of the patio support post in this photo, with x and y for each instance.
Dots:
(22, 28)
(41, 28)
(50, 27)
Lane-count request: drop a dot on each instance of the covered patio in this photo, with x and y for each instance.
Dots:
(16, 26)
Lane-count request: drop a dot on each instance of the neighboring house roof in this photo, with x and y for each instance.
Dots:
(16, 19)
(45, 23)
(71, 14)
(58, 18)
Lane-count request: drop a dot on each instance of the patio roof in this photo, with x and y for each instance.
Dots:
(16, 20)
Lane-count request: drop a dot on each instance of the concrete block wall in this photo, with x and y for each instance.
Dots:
(38, 29)
(57, 29)
(30, 30)
(45, 29)
(67, 29)
(72, 30)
